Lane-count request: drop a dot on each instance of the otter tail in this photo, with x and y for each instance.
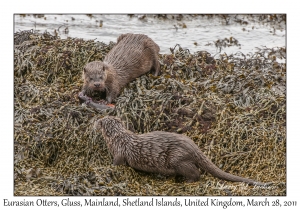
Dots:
(207, 165)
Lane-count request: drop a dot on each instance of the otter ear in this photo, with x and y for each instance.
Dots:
(104, 66)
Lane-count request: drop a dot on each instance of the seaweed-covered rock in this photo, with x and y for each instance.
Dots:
(232, 106)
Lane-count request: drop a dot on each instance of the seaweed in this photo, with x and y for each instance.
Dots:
(232, 106)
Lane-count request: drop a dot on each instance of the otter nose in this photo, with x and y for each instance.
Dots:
(97, 85)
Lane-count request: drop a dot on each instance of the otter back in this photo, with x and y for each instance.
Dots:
(133, 56)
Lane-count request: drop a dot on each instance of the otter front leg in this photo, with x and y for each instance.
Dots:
(119, 160)
(111, 96)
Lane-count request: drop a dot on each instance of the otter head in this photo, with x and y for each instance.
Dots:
(109, 126)
(94, 76)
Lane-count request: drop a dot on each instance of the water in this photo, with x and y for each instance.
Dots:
(200, 33)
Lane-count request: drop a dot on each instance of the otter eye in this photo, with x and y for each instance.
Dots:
(101, 77)
(91, 78)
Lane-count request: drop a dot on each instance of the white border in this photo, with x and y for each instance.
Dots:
(153, 6)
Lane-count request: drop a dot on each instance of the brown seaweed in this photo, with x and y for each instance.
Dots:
(232, 106)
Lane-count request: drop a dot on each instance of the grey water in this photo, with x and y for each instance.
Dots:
(196, 33)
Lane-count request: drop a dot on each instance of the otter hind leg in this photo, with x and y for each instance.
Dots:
(189, 171)
(153, 49)
(156, 67)
(119, 160)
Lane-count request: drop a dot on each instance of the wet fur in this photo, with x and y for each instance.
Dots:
(159, 152)
(132, 56)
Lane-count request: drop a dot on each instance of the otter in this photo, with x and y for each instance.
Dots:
(132, 56)
(160, 152)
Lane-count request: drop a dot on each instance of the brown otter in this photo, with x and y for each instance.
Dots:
(132, 56)
(159, 152)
